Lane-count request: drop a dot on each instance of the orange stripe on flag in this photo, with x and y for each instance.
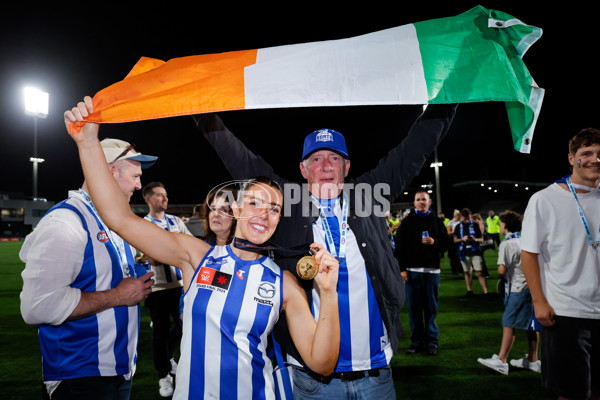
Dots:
(181, 86)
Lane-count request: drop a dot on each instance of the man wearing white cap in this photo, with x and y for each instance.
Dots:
(370, 289)
(81, 288)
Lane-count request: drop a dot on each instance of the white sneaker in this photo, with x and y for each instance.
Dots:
(166, 386)
(494, 363)
(525, 363)
(173, 366)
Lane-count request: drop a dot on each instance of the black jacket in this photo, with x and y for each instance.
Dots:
(410, 251)
(397, 169)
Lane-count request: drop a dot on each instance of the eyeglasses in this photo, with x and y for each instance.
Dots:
(127, 149)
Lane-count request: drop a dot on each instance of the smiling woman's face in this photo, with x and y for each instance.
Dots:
(259, 213)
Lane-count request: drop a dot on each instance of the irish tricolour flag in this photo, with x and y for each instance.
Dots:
(473, 57)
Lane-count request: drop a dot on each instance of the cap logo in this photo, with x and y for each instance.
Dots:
(324, 136)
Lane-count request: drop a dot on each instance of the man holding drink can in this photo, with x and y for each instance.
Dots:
(420, 240)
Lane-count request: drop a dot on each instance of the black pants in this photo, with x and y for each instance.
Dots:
(166, 330)
(93, 388)
(455, 264)
(496, 237)
(570, 357)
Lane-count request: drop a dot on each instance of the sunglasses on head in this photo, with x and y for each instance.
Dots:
(127, 149)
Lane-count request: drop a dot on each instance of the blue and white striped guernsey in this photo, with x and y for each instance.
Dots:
(103, 344)
(165, 276)
(229, 312)
(365, 344)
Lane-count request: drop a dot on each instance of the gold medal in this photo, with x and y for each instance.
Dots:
(307, 267)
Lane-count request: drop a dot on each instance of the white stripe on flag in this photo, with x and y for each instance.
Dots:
(309, 74)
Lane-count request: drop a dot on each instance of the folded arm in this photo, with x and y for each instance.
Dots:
(47, 296)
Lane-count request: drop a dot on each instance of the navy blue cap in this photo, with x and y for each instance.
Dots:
(324, 139)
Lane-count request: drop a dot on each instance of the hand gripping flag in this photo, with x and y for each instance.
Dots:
(473, 57)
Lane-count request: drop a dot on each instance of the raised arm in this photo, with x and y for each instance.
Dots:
(317, 342)
(240, 162)
(404, 162)
(180, 250)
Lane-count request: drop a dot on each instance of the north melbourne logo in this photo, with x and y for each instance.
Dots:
(324, 136)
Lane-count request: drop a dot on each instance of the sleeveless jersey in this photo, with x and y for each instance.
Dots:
(229, 311)
(103, 344)
(365, 343)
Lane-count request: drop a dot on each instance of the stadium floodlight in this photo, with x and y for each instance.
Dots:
(36, 105)
(36, 102)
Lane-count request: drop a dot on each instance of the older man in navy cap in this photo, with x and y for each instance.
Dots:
(325, 162)
(352, 224)
(80, 287)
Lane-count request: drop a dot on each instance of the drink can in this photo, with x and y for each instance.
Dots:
(424, 234)
(142, 267)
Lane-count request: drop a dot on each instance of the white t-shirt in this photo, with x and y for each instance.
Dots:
(509, 254)
(569, 266)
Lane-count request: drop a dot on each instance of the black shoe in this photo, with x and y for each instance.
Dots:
(412, 349)
(469, 293)
(432, 350)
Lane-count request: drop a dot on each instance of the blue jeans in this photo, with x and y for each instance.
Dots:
(422, 300)
(374, 387)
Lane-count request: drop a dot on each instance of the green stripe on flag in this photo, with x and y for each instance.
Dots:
(477, 56)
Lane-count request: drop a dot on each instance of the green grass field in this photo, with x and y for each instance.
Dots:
(469, 328)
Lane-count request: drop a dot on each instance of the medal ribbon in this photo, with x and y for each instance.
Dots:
(117, 242)
(327, 228)
(244, 244)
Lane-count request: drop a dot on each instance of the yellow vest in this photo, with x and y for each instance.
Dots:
(392, 222)
(493, 224)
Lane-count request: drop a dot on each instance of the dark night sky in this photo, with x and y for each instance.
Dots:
(73, 57)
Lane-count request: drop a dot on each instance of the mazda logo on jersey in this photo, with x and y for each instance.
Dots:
(266, 290)
(209, 278)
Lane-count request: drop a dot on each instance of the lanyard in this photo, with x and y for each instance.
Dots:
(327, 228)
(157, 222)
(596, 243)
(117, 242)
